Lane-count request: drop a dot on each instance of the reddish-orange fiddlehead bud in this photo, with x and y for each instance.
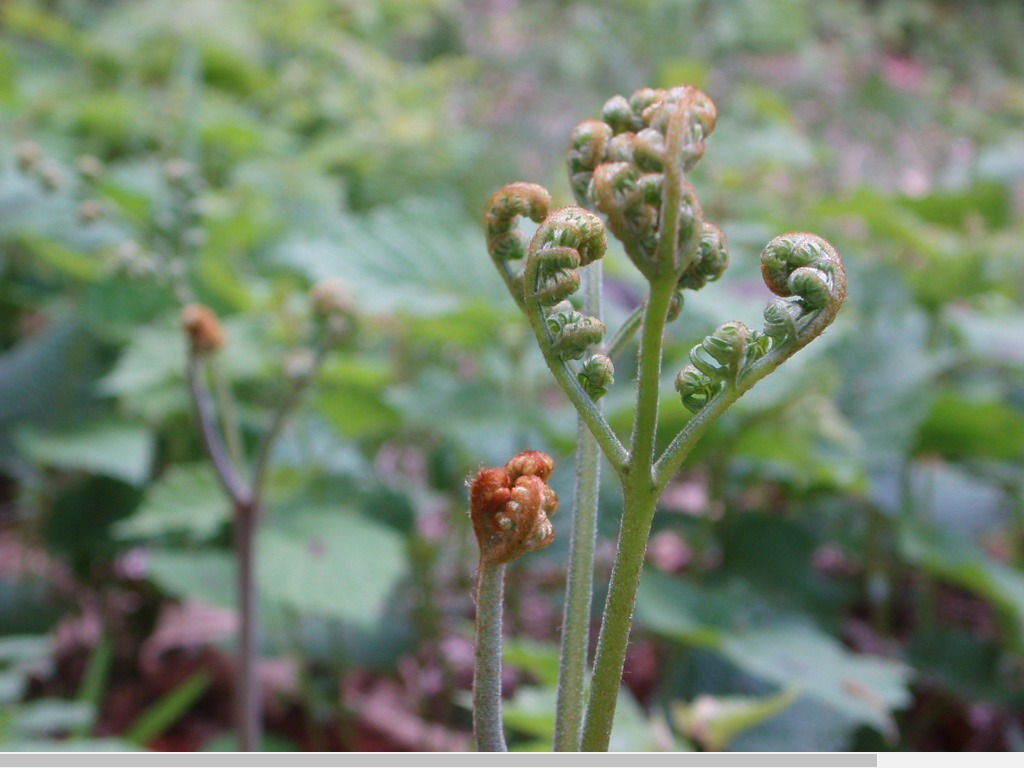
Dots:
(510, 506)
(205, 333)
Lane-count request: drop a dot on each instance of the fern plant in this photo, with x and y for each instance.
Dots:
(628, 172)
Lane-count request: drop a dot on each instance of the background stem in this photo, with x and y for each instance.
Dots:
(580, 582)
(249, 698)
(488, 730)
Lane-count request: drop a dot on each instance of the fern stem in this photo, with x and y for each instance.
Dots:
(580, 581)
(488, 731)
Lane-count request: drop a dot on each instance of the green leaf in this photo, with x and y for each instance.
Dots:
(186, 499)
(330, 563)
(539, 659)
(421, 257)
(974, 668)
(959, 428)
(155, 355)
(204, 575)
(34, 376)
(531, 711)
(989, 201)
(864, 687)
(18, 649)
(781, 648)
(351, 397)
(714, 721)
(51, 717)
(958, 561)
(121, 451)
(168, 709)
(65, 260)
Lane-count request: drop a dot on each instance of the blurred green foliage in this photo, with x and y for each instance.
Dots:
(848, 558)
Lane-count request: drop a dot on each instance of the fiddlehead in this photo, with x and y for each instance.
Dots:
(717, 360)
(711, 261)
(808, 275)
(566, 240)
(630, 167)
(203, 329)
(510, 506)
(597, 375)
(505, 243)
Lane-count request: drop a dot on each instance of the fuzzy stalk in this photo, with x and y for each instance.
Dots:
(638, 513)
(645, 424)
(640, 500)
(579, 592)
(488, 731)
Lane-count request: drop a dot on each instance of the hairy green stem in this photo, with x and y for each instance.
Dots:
(645, 424)
(580, 581)
(488, 731)
(637, 515)
(640, 499)
(697, 427)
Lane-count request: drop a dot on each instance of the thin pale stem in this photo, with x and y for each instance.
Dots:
(296, 389)
(625, 334)
(249, 697)
(580, 580)
(202, 403)
(488, 731)
(228, 414)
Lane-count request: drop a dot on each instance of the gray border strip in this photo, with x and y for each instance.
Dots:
(441, 759)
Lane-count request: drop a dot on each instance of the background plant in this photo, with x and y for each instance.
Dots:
(359, 140)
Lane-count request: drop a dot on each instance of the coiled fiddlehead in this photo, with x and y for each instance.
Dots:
(808, 275)
(597, 375)
(505, 243)
(566, 240)
(727, 349)
(620, 166)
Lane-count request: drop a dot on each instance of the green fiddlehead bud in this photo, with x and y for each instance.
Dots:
(587, 149)
(573, 332)
(719, 359)
(711, 261)
(505, 243)
(597, 375)
(502, 214)
(675, 308)
(695, 388)
(620, 165)
(808, 274)
(727, 350)
(567, 239)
